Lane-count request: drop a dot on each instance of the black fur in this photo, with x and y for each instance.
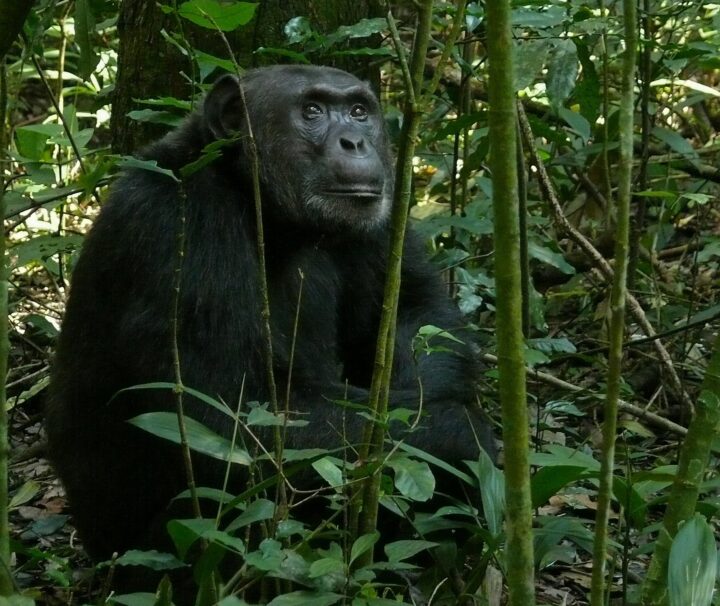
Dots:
(117, 328)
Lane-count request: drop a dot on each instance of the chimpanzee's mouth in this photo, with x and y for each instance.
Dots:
(363, 193)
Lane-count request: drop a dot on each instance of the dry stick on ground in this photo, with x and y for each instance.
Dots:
(603, 265)
(624, 406)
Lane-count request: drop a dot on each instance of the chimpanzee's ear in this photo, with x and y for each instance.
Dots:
(222, 108)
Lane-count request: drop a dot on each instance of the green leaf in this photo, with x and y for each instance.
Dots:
(692, 566)
(530, 57)
(564, 456)
(361, 29)
(283, 52)
(562, 72)
(24, 494)
(260, 416)
(492, 481)
(676, 142)
(127, 162)
(258, 510)
(555, 531)
(31, 140)
(84, 29)
(329, 471)
(402, 550)
(134, 599)
(538, 18)
(184, 533)
(182, 104)
(325, 566)
(547, 481)
(217, 405)
(155, 117)
(213, 14)
(297, 30)
(550, 257)
(42, 247)
(577, 122)
(306, 598)
(200, 438)
(363, 544)
(268, 558)
(550, 345)
(154, 560)
(413, 478)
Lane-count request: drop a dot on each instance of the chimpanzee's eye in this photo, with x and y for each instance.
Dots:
(359, 112)
(312, 110)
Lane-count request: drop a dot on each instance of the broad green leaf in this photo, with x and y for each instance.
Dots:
(424, 456)
(217, 405)
(538, 18)
(676, 142)
(134, 599)
(84, 29)
(184, 533)
(199, 438)
(562, 72)
(329, 471)
(325, 566)
(492, 493)
(212, 14)
(550, 345)
(155, 117)
(307, 598)
(24, 494)
(550, 257)
(32, 139)
(577, 122)
(283, 52)
(297, 30)
(554, 532)
(154, 560)
(692, 566)
(530, 56)
(42, 247)
(361, 29)
(256, 511)
(127, 162)
(363, 544)
(262, 417)
(208, 63)
(557, 455)
(402, 550)
(413, 478)
(182, 104)
(268, 558)
(547, 481)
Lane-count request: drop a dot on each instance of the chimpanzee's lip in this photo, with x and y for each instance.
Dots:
(355, 192)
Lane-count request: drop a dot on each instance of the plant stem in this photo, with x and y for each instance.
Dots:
(510, 342)
(617, 306)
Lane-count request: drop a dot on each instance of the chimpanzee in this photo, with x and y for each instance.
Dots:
(326, 181)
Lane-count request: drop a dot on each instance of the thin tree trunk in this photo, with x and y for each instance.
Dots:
(617, 307)
(510, 342)
(6, 582)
